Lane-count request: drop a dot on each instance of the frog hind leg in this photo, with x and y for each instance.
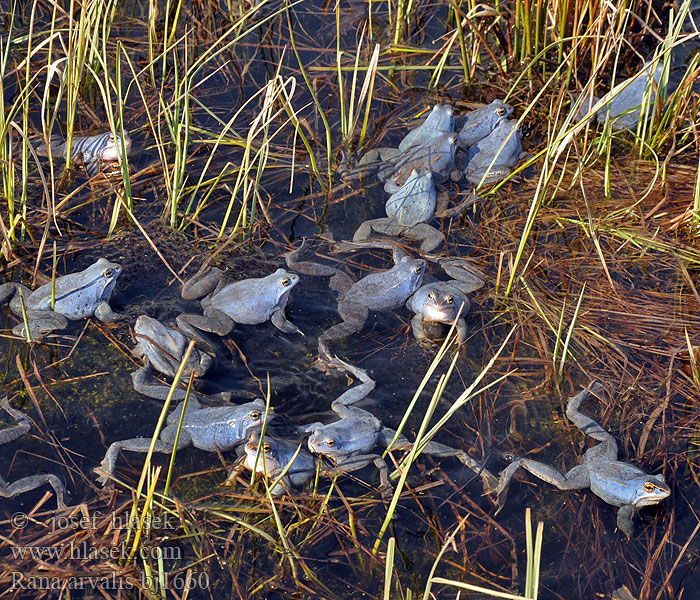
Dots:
(194, 325)
(23, 424)
(354, 317)
(140, 444)
(428, 235)
(34, 481)
(442, 209)
(607, 450)
(157, 391)
(359, 461)
(8, 291)
(202, 285)
(624, 520)
(366, 228)
(12, 293)
(575, 479)
(26, 484)
(307, 267)
(488, 479)
(40, 323)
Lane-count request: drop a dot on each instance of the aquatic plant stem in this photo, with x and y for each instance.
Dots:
(321, 112)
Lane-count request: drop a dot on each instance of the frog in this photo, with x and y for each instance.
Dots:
(349, 442)
(26, 484)
(460, 268)
(439, 302)
(92, 151)
(492, 158)
(77, 296)
(164, 348)
(385, 290)
(621, 484)
(408, 211)
(624, 109)
(479, 123)
(440, 120)
(213, 429)
(275, 456)
(247, 302)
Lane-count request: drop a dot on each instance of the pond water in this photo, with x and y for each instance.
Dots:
(614, 267)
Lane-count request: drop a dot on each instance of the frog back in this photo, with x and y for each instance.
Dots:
(212, 428)
(252, 301)
(389, 289)
(350, 436)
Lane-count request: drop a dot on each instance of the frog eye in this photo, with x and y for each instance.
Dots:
(418, 270)
(266, 447)
(330, 443)
(500, 111)
(432, 296)
(286, 281)
(449, 299)
(649, 487)
(108, 273)
(254, 415)
(111, 137)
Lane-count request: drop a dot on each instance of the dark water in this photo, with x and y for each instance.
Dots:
(86, 400)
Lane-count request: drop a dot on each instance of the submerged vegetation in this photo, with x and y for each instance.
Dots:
(248, 121)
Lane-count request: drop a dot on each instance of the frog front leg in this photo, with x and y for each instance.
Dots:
(418, 329)
(32, 482)
(103, 312)
(279, 320)
(235, 471)
(624, 520)
(575, 479)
